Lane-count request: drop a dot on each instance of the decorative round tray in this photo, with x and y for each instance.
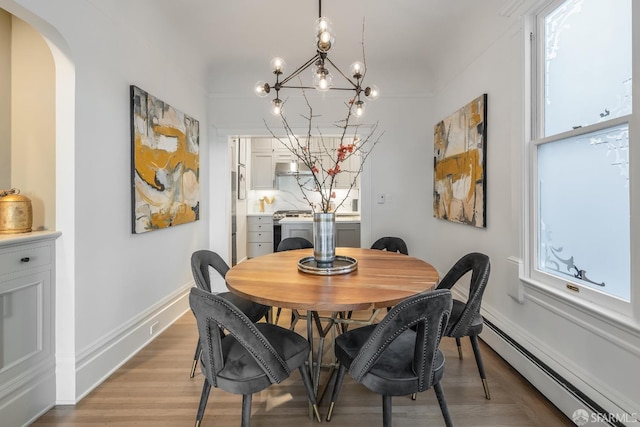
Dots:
(341, 265)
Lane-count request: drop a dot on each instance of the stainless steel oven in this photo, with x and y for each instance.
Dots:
(277, 232)
(277, 227)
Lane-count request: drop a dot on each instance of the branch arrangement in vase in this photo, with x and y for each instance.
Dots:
(327, 161)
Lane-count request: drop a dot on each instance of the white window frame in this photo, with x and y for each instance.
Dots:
(591, 299)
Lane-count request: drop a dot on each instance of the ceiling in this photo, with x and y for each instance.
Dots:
(404, 40)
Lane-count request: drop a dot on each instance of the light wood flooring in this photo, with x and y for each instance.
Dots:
(154, 389)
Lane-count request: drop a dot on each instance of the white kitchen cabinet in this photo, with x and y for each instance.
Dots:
(263, 163)
(262, 171)
(259, 235)
(266, 152)
(262, 145)
(27, 350)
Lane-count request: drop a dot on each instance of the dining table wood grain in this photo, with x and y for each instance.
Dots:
(382, 279)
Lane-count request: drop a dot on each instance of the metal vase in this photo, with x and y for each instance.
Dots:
(324, 238)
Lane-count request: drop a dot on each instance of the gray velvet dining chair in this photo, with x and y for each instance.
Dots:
(466, 320)
(291, 244)
(391, 244)
(400, 355)
(201, 262)
(242, 357)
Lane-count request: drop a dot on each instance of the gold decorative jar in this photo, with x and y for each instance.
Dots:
(16, 212)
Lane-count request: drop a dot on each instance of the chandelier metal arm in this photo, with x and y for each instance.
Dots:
(312, 87)
(298, 87)
(355, 86)
(300, 69)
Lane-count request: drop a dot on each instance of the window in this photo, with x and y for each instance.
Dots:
(580, 222)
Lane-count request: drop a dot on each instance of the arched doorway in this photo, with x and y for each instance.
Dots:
(60, 197)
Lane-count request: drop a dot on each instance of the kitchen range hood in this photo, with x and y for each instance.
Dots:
(291, 169)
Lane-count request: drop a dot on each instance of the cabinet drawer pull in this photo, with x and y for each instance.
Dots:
(25, 259)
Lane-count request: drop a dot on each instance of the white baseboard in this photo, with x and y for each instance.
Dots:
(104, 357)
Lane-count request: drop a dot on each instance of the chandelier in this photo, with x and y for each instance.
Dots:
(322, 78)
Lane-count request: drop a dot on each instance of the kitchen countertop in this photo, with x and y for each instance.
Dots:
(339, 218)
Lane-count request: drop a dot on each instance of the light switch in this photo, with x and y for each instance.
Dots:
(381, 198)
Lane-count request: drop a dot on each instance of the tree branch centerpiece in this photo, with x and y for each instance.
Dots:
(329, 158)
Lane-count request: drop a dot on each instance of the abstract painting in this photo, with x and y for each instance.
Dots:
(460, 148)
(165, 164)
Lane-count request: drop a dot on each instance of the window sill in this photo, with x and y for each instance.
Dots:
(624, 321)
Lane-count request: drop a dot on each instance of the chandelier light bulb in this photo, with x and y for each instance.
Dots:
(324, 35)
(322, 80)
(278, 65)
(359, 112)
(276, 107)
(324, 42)
(372, 92)
(262, 89)
(323, 24)
(357, 69)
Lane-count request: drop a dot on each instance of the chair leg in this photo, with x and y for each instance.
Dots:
(306, 380)
(278, 311)
(459, 348)
(196, 357)
(336, 389)
(204, 397)
(386, 411)
(246, 410)
(483, 376)
(443, 404)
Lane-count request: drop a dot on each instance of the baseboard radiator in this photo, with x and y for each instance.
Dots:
(588, 404)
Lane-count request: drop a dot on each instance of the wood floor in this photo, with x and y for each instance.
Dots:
(154, 389)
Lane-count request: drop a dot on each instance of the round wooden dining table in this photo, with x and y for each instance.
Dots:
(382, 279)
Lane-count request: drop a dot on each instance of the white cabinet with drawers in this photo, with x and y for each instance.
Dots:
(259, 235)
(27, 346)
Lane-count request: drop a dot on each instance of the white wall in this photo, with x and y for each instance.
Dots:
(400, 168)
(597, 355)
(115, 285)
